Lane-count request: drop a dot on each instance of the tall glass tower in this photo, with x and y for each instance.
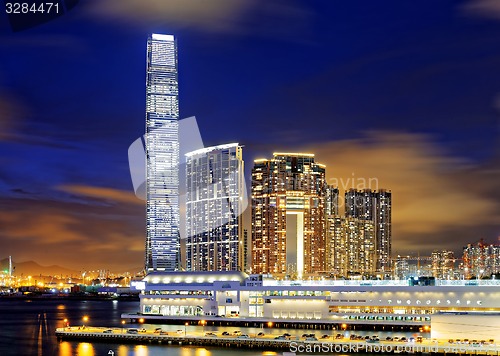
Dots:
(214, 226)
(162, 152)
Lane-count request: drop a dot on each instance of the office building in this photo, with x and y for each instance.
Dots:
(162, 152)
(288, 215)
(214, 216)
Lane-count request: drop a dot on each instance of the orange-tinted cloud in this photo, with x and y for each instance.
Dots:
(434, 195)
(11, 113)
(106, 194)
(484, 8)
(44, 228)
(78, 232)
(216, 15)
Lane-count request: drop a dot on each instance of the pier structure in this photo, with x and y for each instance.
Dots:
(280, 343)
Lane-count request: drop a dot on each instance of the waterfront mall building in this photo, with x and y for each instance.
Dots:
(444, 306)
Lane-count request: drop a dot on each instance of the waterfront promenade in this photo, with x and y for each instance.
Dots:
(326, 344)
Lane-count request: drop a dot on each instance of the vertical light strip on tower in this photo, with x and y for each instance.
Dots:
(162, 150)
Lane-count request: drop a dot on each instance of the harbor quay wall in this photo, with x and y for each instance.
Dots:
(292, 346)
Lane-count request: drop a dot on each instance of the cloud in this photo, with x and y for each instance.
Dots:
(106, 194)
(484, 8)
(439, 201)
(275, 19)
(41, 228)
(11, 113)
(74, 233)
(214, 15)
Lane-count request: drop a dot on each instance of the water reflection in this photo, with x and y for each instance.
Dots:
(85, 349)
(65, 349)
(122, 350)
(140, 350)
(202, 352)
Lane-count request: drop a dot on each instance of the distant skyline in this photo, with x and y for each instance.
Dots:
(407, 93)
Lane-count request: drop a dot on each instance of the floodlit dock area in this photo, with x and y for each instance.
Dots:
(316, 343)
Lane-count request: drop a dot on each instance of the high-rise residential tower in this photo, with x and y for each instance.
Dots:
(443, 264)
(351, 246)
(374, 206)
(162, 155)
(481, 259)
(383, 231)
(288, 215)
(214, 226)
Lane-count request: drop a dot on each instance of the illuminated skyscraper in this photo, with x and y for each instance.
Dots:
(162, 151)
(443, 264)
(351, 246)
(288, 215)
(481, 259)
(214, 226)
(375, 206)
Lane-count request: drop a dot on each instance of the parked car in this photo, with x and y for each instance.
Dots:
(225, 333)
(325, 336)
(158, 330)
(261, 334)
(132, 331)
(339, 336)
(210, 334)
(142, 330)
(388, 338)
(243, 336)
(311, 338)
(281, 337)
(108, 331)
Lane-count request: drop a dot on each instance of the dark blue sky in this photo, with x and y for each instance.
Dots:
(405, 91)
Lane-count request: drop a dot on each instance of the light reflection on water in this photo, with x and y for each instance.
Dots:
(85, 349)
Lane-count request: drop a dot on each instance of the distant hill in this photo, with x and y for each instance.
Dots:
(31, 268)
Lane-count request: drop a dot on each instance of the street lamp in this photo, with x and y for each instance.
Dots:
(123, 325)
(344, 326)
(185, 328)
(85, 319)
(66, 324)
(270, 324)
(203, 322)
